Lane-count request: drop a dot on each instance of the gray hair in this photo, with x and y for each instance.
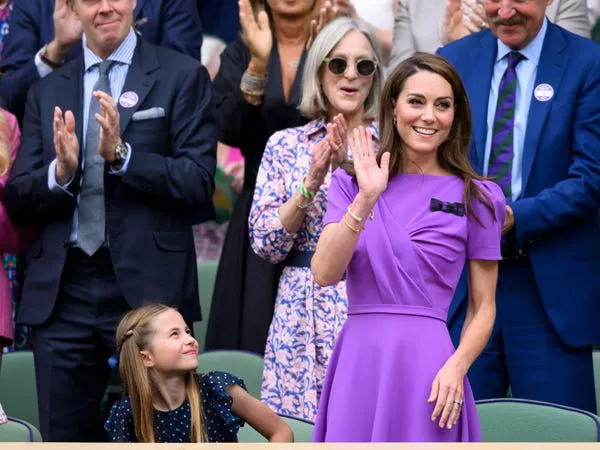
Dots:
(314, 104)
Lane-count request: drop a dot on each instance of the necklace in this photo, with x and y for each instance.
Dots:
(294, 64)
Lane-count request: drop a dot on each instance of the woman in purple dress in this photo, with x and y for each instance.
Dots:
(394, 374)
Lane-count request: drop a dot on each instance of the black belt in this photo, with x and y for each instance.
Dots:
(299, 258)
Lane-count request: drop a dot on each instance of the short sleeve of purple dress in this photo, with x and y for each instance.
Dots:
(400, 283)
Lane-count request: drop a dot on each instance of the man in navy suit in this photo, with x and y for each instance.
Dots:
(117, 155)
(534, 90)
(45, 33)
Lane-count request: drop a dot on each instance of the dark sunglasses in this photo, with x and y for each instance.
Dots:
(338, 66)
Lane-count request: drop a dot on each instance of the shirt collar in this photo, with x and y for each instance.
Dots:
(320, 125)
(532, 51)
(122, 54)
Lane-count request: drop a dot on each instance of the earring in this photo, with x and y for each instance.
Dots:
(395, 121)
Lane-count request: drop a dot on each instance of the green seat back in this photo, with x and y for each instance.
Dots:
(515, 420)
(207, 272)
(17, 430)
(245, 365)
(596, 359)
(18, 392)
(302, 430)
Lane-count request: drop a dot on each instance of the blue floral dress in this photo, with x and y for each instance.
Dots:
(307, 317)
(174, 426)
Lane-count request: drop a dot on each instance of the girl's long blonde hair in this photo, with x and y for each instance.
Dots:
(6, 141)
(134, 334)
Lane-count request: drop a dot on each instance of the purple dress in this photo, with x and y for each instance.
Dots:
(400, 283)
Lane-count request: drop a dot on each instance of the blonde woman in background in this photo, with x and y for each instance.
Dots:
(12, 240)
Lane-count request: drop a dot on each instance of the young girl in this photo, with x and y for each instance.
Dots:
(167, 401)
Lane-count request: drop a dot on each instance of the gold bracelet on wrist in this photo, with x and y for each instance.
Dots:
(356, 230)
(303, 206)
(360, 219)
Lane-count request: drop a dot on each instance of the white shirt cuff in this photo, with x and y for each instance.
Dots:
(53, 185)
(42, 68)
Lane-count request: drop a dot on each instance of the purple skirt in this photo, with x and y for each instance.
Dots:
(379, 379)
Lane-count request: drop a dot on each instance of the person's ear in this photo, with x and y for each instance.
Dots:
(147, 358)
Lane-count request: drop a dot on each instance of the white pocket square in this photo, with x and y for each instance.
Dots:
(152, 113)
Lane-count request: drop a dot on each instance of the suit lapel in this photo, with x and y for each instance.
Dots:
(70, 94)
(480, 76)
(138, 9)
(550, 69)
(139, 81)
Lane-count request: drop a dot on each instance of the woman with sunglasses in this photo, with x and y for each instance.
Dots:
(341, 84)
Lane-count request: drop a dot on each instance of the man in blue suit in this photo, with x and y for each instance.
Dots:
(45, 33)
(534, 90)
(115, 217)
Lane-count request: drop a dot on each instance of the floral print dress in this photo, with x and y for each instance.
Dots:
(307, 317)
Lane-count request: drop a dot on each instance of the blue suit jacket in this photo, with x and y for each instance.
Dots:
(170, 23)
(150, 209)
(557, 216)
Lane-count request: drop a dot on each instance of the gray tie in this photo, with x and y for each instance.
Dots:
(91, 220)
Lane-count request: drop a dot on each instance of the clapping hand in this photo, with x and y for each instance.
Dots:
(110, 135)
(257, 34)
(327, 13)
(337, 135)
(372, 179)
(67, 30)
(461, 20)
(319, 165)
(66, 145)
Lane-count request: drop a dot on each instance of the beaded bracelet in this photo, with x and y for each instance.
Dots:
(253, 84)
(305, 192)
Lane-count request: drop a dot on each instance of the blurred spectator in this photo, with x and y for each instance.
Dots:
(6, 7)
(257, 93)
(33, 49)
(426, 25)
(379, 14)
(12, 240)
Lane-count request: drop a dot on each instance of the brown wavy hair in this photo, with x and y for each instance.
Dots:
(452, 154)
(134, 334)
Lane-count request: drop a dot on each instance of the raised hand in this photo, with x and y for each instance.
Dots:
(327, 13)
(67, 31)
(372, 179)
(454, 26)
(66, 145)
(319, 166)
(257, 34)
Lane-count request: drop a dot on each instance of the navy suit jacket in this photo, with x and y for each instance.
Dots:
(169, 23)
(557, 216)
(150, 209)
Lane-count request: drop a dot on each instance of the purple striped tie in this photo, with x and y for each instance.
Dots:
(501, 154)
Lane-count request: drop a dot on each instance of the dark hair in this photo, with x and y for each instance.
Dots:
(452, 154)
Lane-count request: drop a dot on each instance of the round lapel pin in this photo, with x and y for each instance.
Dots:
(128, 99)
(543, 92)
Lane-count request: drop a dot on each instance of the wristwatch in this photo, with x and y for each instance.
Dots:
(121, 152)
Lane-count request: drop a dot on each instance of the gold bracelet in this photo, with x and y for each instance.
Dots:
(356, 230)
(301, 205)
(360, 219)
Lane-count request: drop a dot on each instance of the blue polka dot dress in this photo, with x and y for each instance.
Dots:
(174, 426)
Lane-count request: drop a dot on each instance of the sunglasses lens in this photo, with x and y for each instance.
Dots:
(365, 67)
(337, 66)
